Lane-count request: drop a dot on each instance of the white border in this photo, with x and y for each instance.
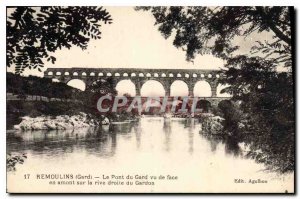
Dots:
(5, 3)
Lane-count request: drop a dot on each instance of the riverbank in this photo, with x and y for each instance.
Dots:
(16, 110)
(216, 125)
(41, 115)
(61, 122)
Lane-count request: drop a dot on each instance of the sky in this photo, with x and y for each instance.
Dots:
(132, 41)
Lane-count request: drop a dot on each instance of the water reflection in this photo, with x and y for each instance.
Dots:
(231, 144)
(103, 141)
(149, 146)
(167, 134)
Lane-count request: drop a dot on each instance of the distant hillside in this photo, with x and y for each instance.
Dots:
(39, 86)
(25, 90)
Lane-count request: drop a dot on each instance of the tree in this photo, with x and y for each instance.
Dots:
(266, 95)
(13, 160)
(34, 33)
(232, 115)
(212, 29)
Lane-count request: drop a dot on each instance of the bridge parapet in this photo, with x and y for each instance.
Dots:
(133, 73)
(139, 76)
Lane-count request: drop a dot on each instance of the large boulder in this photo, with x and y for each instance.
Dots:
(51, 125)
(38, 126)
(61, 122)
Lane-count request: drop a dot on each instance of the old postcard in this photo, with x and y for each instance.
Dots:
(150, 99)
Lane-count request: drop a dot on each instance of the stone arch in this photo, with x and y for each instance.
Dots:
(58, 73)
(179, 88)
(148, 75)
(141, 75)
(117, 75)
(50, 73)
(155, 75)
(202, 75)
(67, 73)
(186, 75)
(75, 74)
(202, 89)
(126, 86)
(195, 75)
(83, 74)
(171, 75)
(133, 75)
(108, 74)
(204, 106)
(92, 74)
(178, 75)
(77, 83)
(147, 89)
(125, 74)
(100, 74)
(224, 104)
(163, 75)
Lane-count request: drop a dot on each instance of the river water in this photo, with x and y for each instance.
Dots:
(150, 147)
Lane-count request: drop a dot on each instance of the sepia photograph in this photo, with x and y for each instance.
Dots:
(150, 99)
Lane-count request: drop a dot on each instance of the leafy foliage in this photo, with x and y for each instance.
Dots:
(12, 160)
(232, 115)
(201, 30)
(33, 33)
